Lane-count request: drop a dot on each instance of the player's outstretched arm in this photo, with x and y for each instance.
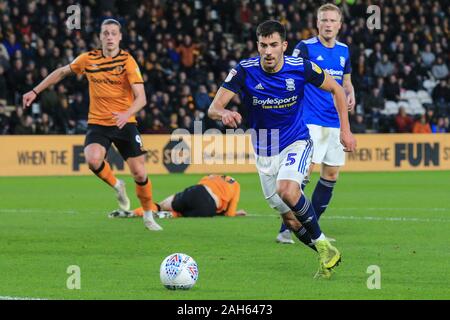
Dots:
(53, 78)
(349, 91)
(347, 139)
(217, 109)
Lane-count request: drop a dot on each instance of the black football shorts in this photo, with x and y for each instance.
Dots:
(127, 140)
(194, 201)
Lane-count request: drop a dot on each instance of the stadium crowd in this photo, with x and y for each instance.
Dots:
(186, 48)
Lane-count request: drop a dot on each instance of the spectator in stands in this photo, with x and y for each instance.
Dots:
(62, 113)
(403, 122)
(439, 69)
(357, 123)
(144, 121)
(158, 127)
(427, 56)
(23, 123)
(4, 57)
(44, 125)
(15, 79)
(373, 102)
(202, 99)
(441, 96)
(376, 55)
(392, 89)
(173, 122)
(431, 117)
(440, 126)
(384, 68)
(78, 114)
(410, 79)
(422, 125)
(4, 120)
(49, 101)
(206, 38)
(188, 124)
(188, 52)
(15, 119)
(3, 84)
(11, 44)
(363, 72)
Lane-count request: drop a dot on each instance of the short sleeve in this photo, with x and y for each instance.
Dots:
(133, 73)
(348, 65)
(232, 207)
(300, 50)
(235, 79)
(78, 65)
(313, 73)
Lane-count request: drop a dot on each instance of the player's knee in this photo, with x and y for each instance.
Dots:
(276, 203)
(94, 163)
(330, 174)
(331, 177)
(139, 175)
(289, 193)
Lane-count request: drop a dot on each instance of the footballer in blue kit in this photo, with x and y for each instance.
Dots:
(319, 111)
(272, 88)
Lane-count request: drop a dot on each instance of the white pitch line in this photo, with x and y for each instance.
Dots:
(408, 219)
(366, 218)
(391, 209)
(37, 210)
(19, 298)
(327, 217)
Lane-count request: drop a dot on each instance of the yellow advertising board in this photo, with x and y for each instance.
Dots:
(63, 155)
(395, 152)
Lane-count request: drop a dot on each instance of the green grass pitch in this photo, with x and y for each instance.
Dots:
(399, 222)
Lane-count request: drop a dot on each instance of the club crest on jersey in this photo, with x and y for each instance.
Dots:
(230, 76)
(290, 84)
(342, 60)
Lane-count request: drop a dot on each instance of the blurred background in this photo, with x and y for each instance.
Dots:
(186, 48)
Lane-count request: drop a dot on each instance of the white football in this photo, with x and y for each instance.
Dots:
(178, 271)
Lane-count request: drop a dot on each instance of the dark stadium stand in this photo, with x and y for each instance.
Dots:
(186, 48)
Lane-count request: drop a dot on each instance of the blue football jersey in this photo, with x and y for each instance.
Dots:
(274, 100)
(318, 105)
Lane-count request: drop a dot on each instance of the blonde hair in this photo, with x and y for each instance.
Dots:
(329, 7)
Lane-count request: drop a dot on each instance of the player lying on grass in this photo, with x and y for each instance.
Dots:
(213, 195)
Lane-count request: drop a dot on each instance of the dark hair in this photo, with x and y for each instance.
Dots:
(112, 21)
(269, 27)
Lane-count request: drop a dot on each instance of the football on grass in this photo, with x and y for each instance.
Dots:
(178, 271)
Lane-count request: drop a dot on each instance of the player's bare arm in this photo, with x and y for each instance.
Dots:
(217, 109)
(53, 78)
(138, 103)
(349, 91)
(347, 139)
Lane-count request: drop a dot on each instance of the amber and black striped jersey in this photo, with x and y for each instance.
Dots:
(226, 189)
(110, 80)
